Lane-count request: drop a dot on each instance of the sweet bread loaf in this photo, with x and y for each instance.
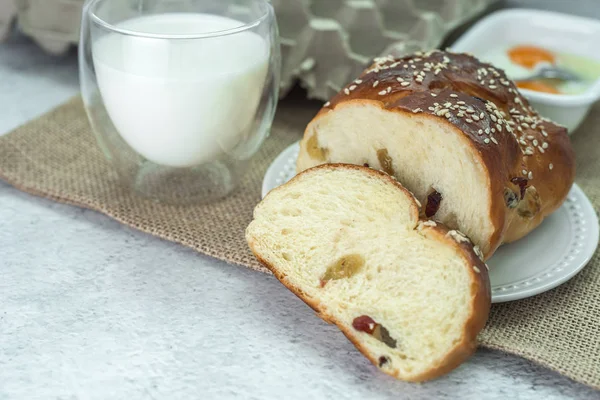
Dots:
(458, 134)
(410, 294)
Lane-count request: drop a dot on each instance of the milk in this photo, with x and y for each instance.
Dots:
(181, 102)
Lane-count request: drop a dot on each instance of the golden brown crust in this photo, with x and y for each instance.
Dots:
(513, 141)
(480, 293)
(478, 272)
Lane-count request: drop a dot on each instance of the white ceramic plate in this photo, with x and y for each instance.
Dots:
(549, 256)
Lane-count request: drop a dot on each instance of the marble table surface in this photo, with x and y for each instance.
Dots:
(90, 309)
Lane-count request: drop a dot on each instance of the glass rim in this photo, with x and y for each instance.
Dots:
(205, 35)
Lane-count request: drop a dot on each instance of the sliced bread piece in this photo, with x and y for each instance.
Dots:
(411, 295)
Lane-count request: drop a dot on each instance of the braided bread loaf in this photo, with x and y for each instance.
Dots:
(458, 134)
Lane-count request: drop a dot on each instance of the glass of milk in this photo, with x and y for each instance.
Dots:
(180, 94)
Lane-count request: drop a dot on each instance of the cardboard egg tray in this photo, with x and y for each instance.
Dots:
(325, 43)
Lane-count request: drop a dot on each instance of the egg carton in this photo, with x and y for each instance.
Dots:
(8, 12)
(324, 43)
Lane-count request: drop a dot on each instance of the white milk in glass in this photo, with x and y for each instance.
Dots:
(181, 102)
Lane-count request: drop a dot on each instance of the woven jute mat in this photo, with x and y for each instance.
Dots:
(56, 156)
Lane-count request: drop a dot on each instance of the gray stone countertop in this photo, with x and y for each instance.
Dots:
(90, 309)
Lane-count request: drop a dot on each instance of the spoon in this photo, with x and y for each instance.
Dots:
(551, 72)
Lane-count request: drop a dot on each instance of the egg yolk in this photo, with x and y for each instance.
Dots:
(530, 56)
(538, 87)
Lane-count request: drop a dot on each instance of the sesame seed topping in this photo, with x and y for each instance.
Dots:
(551, 167)
(530, 175)
(479, 254)
(405, 84)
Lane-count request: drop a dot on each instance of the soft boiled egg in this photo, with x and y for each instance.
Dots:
(500, 58)
(530, 56)
(521, 61)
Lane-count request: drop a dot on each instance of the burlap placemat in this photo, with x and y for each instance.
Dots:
(56, 157)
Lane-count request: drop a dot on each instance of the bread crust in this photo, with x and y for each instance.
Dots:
(478, 273)
(516, 146)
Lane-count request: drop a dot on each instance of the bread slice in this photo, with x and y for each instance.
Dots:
(410, 294)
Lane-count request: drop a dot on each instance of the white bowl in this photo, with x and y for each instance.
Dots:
(551, 30)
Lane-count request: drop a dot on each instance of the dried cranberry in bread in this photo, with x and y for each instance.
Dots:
(457, 133)
(410, 294)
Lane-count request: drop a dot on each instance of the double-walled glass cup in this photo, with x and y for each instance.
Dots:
(180, 94)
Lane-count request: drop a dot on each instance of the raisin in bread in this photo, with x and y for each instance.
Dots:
(410, 294)
(457, 133)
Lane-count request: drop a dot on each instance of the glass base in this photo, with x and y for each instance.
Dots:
(198, 185)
